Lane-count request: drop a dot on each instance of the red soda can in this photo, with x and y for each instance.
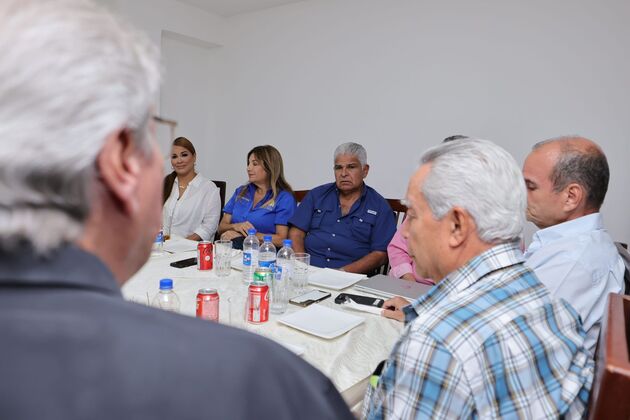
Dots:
(258, 303)
(208, 304)
(204, 255)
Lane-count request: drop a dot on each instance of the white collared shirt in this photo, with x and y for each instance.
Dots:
(578, 262)
(196, 211)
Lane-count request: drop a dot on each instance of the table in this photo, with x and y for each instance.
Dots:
(347, 360)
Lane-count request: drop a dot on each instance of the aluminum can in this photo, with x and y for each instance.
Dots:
(258, 303)
(263, 275)
(204, 255)
(208, 304)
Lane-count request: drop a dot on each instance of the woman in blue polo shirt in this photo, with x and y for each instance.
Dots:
(265, 203)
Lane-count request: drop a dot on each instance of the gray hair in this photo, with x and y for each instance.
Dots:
(587, 167)
(352, 149)
(482, 178)
(70, 75)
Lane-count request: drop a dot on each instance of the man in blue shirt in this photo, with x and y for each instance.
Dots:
(345, 224)
(572, 254)
(487, 341)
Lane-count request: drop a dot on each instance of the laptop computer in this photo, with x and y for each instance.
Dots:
(388, 286)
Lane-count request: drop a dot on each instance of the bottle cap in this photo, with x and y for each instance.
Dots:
(166, 284)
(251, 231)
(267, 238)
(287, 242)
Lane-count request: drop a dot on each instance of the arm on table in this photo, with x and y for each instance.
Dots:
(297, 236)
(367, 264)
(210, 220)
(282, 233)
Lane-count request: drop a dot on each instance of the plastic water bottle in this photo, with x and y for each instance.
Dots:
(158, 244)
(250, 256)
(282, 278)
(166, 298)
(267, 254)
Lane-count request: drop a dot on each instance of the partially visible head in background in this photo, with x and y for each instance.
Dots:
(566, 178)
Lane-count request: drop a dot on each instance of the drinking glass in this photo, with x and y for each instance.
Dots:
(222, 257)
(300, 272)
(280, 288)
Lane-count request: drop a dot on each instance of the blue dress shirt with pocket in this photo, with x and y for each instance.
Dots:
(335, 240)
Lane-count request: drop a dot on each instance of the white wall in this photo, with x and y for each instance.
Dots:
(398, 76)
(189, 39)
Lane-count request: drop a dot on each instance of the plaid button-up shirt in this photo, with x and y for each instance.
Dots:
(486, 342)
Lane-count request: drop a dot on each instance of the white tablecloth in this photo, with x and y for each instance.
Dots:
(346, 360)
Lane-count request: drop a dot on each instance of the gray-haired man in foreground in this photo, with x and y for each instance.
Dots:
(487, 341)
(80, 203)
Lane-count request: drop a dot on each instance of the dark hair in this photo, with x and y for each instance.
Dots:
(587, 167)
(271, 160)
(455, 137)
(169, 179)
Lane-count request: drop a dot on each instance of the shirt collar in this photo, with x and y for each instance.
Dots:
(496, 258)
(67, 266)
(251, 190)
(571, 228)
(193, 183)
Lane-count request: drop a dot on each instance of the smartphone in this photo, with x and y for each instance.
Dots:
(310, 297)
(362, 300)
(184, 263)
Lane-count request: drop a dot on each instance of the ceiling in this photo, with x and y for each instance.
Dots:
(229, 8)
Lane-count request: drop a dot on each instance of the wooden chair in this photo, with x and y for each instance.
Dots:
(300, 194)
(399, 209)
(400, 212)
(611, 386)
(222, 186)
(625, 256)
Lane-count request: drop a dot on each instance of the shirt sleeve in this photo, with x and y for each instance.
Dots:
(285, 208)
(303, 213)
(422, 379)
(384, 228)
(229, 206)
(398, 255)
(212, 205)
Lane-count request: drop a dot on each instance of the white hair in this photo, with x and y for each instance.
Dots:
(352, 149)
(482, 178)
(70, 75)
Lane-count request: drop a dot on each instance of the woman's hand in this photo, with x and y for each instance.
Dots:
(242, 228)
(230, 234)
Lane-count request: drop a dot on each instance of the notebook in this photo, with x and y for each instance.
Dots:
(388, 286)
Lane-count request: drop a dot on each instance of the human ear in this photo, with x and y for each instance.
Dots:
(460, 226)
(366, 169)
(574, 193)
(119, 167)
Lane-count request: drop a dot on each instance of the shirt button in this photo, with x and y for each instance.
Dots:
(328, 259)
(337, 220)
(333, 234)
(329, 249)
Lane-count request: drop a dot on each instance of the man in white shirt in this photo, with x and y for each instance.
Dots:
(572, 253)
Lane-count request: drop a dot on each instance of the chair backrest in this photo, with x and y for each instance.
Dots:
(222, 186)
(611, 386)
(399, 209)
(300, 194)
(625, 256)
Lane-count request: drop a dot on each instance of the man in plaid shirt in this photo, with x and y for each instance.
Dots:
(487, 341)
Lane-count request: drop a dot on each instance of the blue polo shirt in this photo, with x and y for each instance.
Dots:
(264, 218)
(334, 240)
